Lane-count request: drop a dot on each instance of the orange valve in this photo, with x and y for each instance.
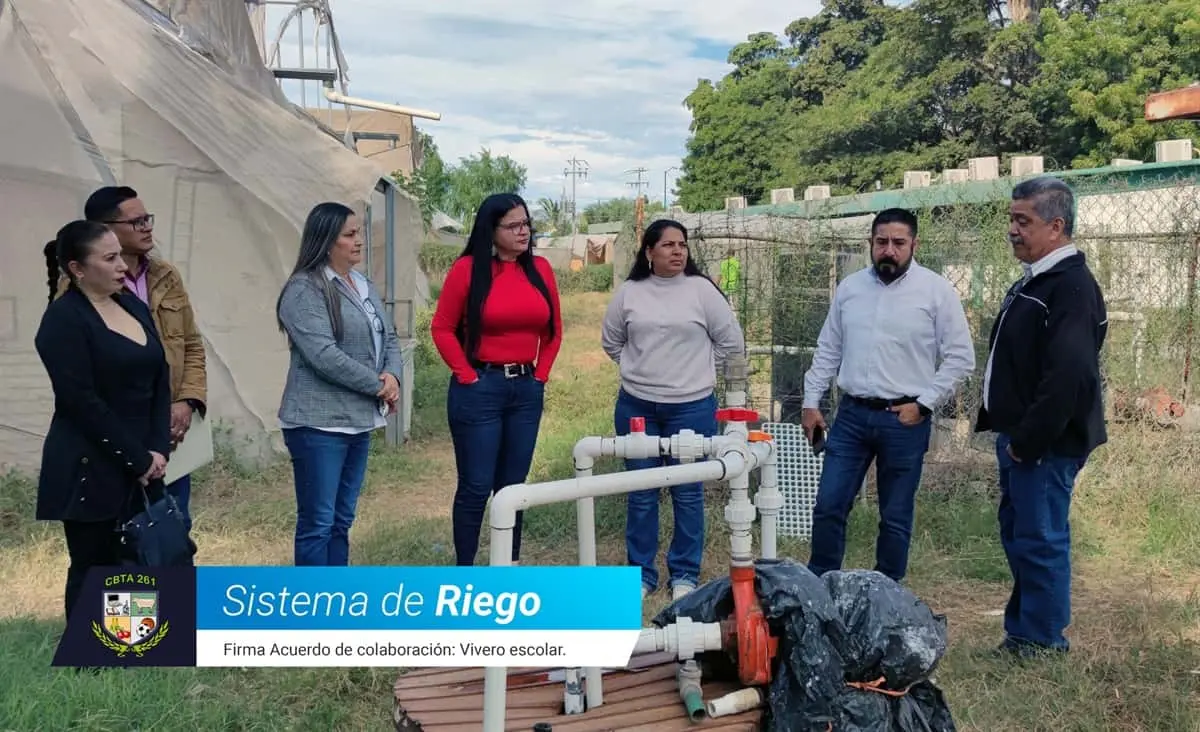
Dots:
(756, 648)
(758, 436)
(734, 414)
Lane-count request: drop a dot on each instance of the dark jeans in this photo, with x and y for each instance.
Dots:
(494, 424)
(329, 468)
(89, 544)
(641, 522)
(859, 435)
(181, 491)
(1035, 530)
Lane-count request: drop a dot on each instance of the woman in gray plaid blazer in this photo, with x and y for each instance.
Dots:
(343, 380)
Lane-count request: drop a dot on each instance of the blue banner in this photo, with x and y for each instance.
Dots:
(418, 598)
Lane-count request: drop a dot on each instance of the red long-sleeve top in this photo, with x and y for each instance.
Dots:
(515, 327)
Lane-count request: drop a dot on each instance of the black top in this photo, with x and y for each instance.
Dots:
(1045, 390)
(112, 406)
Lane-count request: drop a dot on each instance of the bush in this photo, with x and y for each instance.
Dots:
(592, 278)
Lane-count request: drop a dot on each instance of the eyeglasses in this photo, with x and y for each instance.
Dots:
(517, 226)
(141, 223)
(373, 314)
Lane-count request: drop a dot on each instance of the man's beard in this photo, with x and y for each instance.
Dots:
(889, 270)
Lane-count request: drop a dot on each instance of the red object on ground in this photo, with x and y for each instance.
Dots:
(748, 636)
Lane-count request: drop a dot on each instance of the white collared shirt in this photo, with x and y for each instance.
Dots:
(909, 338)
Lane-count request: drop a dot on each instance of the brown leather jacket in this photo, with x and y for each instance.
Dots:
(172, 312)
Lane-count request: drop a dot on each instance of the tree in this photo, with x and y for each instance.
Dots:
(458, 190)
(863, 91)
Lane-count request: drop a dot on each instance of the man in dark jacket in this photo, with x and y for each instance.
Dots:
(1042, 397)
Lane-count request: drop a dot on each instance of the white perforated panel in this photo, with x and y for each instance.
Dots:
(799, 476)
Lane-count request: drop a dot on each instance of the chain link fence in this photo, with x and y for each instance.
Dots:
(1139, 227)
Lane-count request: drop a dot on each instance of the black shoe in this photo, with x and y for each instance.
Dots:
(1027, 650)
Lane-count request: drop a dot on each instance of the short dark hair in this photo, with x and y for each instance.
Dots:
(895, 216)
(1052, 199)
(105, 203)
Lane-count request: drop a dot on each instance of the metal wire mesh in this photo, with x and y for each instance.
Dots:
(1139, 227)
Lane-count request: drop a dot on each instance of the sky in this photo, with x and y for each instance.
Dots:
(545, 81)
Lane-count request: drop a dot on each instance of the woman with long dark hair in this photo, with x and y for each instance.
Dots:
(498, 326)
(111, 429)
(343, 380)
(668, 327)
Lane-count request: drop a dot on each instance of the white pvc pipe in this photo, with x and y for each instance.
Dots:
(736, 702)
(523, 496)
(337, 98)
(585, 520)
(769, 501)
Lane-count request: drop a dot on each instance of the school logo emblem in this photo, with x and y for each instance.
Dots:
(130, 622)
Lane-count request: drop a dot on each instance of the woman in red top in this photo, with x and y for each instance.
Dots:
(498, 326)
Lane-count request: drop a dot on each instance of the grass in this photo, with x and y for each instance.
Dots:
(1134, 666)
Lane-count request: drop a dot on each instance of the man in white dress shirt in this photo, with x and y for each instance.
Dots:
(897, 340)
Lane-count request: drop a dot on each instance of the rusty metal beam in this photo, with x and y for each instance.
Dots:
(1175, 104)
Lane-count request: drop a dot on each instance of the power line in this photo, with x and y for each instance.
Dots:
(639, 183)
(578, 169)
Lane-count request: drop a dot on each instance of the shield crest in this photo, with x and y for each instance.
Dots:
(130, 618)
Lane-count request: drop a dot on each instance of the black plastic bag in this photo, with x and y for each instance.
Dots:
(808, 675)
(890, 635)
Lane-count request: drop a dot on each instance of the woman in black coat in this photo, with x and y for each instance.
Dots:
(110, 433)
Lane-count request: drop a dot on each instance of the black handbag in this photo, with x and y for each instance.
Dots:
(157, 536)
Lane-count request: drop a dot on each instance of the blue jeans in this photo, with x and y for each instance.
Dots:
(860, 434)
(641, 521)
(329, 468)
(181, 491)
(494, 424)
(1035, 530)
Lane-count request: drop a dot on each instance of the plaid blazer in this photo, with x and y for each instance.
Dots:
(332, 383)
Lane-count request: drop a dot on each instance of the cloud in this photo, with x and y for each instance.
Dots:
(544, 81)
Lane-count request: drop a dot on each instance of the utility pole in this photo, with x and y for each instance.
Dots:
(637, 185)
(579, 168)
(668, 170)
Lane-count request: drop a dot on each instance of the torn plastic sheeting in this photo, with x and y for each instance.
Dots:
(829, 641)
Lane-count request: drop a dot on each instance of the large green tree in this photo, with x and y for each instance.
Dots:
(864, 90)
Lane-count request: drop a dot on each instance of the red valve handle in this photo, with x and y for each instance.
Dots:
(637, 424)
(738, 415)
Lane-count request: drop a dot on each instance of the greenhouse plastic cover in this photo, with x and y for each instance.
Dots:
(99, 92)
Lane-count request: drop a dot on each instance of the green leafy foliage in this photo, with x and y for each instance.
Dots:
(865, 90)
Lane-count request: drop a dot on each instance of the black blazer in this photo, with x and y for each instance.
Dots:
(112, 406)
(1045, 389)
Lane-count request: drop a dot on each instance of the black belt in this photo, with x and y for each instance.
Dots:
(880, 404)
(511, 370)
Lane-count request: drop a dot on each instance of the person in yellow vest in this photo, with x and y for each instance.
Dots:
(159, 285)
(730, 278)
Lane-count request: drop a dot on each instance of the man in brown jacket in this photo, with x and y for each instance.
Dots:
(158, 284)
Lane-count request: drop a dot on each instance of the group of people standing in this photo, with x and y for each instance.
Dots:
(897, 341)
(125, 358)
(498, 326)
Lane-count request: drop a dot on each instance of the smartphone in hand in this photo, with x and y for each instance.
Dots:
(818, 440)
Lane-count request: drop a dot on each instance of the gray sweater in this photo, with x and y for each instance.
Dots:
(669, 335)
(331, 384)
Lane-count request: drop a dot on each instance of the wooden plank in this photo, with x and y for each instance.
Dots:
(639, 700)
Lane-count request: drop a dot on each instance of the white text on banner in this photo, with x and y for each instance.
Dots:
(419, 648)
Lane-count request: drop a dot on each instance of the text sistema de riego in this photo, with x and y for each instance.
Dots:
(452, 601)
